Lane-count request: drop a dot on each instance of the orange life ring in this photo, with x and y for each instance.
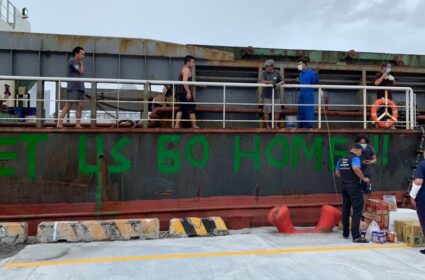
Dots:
(393, 118)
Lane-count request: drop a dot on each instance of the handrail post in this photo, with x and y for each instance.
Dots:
(93, 103)
(413, 111)
(319, 108)
(224, 106)
(145, 112)
(364, 108)
(173, 104)
(407, 108)
(117, 120)
(58, 101)
(272, 114)
(40, 104)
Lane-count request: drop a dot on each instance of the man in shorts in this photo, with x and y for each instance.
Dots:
(272, 77)
(75, 90)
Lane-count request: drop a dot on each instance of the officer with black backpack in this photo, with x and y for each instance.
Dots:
(348, 169)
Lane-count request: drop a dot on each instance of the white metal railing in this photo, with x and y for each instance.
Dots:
(409, 107)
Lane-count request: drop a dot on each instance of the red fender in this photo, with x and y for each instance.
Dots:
(279, 217)
(329, 217)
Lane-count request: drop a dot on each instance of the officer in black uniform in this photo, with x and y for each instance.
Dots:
(348, 169)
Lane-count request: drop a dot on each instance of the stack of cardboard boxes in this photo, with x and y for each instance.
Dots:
(377, 210)
(408, 229)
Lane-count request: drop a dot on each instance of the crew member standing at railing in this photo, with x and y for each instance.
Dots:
(6, 96)
(75, 90)
(185, 94)
(271, 77)
(384, 79)
(306, 97)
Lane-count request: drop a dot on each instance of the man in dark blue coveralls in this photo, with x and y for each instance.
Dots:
(417, 194)
(306, 112)
(348, 169)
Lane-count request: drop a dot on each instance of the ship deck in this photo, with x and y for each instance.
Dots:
(260, 253)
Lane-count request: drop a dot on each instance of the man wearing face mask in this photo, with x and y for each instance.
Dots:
(368, 159)
(384, 79)
(306, 97)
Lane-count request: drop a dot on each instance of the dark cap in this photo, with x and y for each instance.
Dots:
(357, 146)
(303, 60)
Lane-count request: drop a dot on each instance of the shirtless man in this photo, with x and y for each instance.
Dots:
(185, 93)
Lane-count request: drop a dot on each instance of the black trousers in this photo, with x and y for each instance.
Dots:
(352, 197)
(420, 209)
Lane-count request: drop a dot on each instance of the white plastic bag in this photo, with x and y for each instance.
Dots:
(392, 202)
(373, 226)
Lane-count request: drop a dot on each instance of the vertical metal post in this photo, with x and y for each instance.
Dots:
(93, 103)
(118, 106)
(272, 115)
(281, 88)
(58, 98)
(364, 108)
(194, 90)
(224, 106)
(260, 93)
(319, 108)
(364, 84)
(413, 110)
(407, 105)
(173, 101)
(145, 112)
(40, 105)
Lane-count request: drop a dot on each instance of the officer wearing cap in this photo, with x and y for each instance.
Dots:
(272, 77)
(348, 169)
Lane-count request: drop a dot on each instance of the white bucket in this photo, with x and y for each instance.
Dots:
(30, 119)
(291, 121)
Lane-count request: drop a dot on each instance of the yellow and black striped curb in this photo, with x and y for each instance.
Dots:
(13, 233)
(108, 230)
(197, 227)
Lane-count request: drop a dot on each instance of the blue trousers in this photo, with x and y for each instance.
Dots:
(306, 112)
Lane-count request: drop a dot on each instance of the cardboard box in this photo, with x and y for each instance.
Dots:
(402, 214)
(381, 219)
(400, 225)
(377, 206)
(413, 235)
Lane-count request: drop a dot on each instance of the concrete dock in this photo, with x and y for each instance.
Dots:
(260, 253)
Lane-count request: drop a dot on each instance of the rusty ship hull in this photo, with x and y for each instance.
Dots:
(52, 174)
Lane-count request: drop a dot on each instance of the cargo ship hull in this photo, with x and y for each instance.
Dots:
(49, 174)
